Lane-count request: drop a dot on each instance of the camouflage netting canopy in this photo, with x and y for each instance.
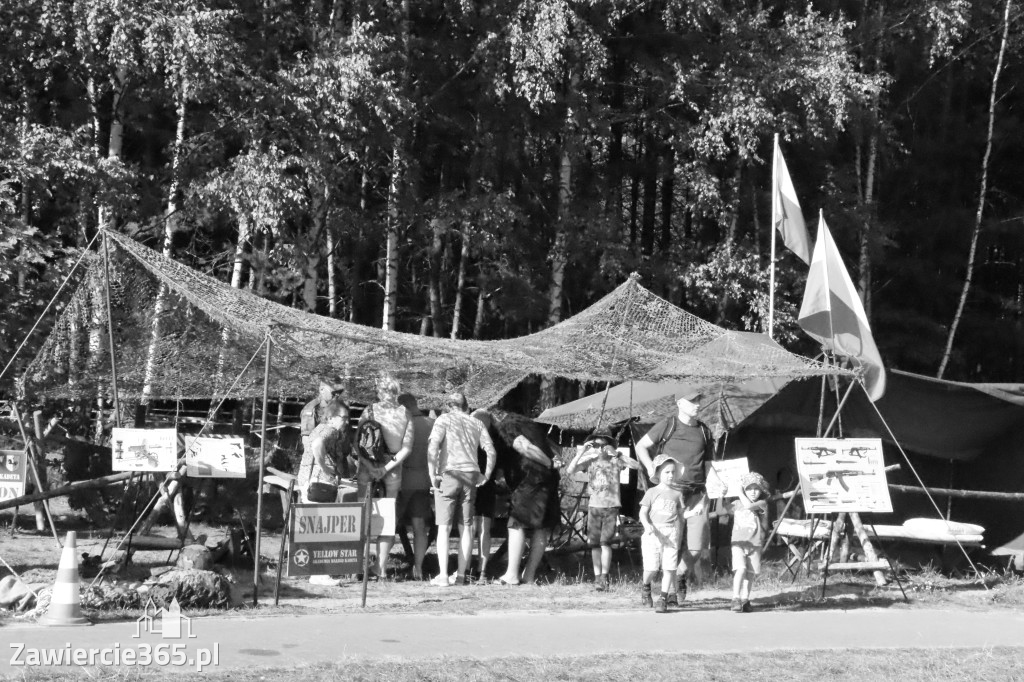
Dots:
(185, 335)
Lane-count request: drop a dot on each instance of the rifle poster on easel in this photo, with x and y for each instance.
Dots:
(207, 457)
(842, 475)
(144, 449)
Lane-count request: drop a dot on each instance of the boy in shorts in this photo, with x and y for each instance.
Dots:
(603, 464)
(661, 513)
(748, 528)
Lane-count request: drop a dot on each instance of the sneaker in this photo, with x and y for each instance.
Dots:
(645, 596)
(661, 606)
(441, 580)
(681, 587)
(672, 599)
(737, 605)
(746, 607)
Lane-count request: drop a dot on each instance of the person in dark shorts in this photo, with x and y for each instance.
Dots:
(414, 500)
(528, 459)
(484, 507)
(603, 463)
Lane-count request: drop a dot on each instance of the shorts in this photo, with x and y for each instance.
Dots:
(486, 499)
(661, 552)
(747, 558)
(412, 504)
(453, 503)
(392, 483)
(696, 529)
(601, 525)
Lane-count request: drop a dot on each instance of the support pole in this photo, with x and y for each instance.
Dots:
(110, 331)
(29, 450)
(367, 512)
(772, 227)
(285, 537)
(259, 488)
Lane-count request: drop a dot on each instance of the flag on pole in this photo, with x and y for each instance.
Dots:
(786, 215)
(832, 313)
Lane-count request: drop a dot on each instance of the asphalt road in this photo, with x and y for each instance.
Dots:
(289, 641)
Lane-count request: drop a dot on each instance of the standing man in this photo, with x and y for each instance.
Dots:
(455, 476)
(688, 441)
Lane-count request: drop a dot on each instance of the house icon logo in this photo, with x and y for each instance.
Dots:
(166, 622)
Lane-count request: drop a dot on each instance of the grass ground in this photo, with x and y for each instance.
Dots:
(905, 665)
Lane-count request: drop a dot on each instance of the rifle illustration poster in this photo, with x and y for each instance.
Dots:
(214, 457)
(144, 449)
(842, 475)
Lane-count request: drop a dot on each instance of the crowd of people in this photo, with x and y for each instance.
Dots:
(446, 468)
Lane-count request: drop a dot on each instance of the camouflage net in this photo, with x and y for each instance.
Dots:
(188, 335)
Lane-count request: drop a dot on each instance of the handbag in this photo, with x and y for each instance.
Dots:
(322, 492)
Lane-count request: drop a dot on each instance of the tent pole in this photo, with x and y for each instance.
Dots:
(259, 489)
(772, 226)
(839, 409)
(920, 482)
(110, 330)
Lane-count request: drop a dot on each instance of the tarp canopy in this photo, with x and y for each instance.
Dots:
(188, 335)
(947, 419)
(722, 406)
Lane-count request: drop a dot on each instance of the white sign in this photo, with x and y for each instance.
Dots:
(340, 522)
(723, 477)
(842, 475)
(13, 475)
(214, 457)
(144, 449)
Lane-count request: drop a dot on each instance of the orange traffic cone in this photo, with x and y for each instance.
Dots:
(65, 604)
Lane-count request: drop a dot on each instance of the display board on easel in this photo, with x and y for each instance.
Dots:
(144, 449)
(207, 457)
(842, 475)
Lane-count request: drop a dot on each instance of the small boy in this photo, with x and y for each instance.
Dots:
(603, 464)
(661, 513)
(748, 529)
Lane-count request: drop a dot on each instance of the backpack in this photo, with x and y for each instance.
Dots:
(370, 443)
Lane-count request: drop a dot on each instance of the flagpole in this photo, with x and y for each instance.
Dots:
(773, 227)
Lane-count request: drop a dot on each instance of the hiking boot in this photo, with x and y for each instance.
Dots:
(746, 607)
(737, 605)
(645, 596)
(681, 587)
(661, 606)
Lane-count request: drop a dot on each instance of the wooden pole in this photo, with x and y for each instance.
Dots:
(868, 547)
(110, 331)
(29, 449)
(367, 511)
(77, 486)
(259, 489)
(773, 227)
(285, 535)
(963, 494)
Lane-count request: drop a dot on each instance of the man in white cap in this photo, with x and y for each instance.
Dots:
(688, 441)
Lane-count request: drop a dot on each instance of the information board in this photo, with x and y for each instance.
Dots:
(842, 475)
(214, 457)
(326, 539)
(722, 478)
(144, 449)
(13, 474)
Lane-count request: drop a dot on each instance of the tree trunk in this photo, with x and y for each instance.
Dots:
(398, 162)
(982, 192)
(650, 171)
(667, 196)
(434, 279)
(867, 226)
(332, 274)
(460, 286)
(481, 304)
(238, 268)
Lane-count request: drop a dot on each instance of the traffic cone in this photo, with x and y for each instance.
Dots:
(65, 604)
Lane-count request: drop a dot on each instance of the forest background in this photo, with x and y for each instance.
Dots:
(486, 169)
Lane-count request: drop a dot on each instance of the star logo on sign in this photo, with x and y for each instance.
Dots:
(301, 557)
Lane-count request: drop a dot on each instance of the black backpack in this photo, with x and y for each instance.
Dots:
(370, 443)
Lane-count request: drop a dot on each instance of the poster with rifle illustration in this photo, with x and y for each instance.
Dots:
(842, 475)
(144, 449)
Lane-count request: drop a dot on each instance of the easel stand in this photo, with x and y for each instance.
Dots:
(873, 563)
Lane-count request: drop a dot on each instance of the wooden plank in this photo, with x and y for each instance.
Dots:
(858, 566)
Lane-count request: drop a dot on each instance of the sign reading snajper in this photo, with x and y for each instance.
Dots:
(842, 475)
(326, 539)
(144, 449)
(13, 473)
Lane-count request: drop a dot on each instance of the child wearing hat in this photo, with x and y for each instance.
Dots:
(748, 532)
(661, 513)
(603, 464)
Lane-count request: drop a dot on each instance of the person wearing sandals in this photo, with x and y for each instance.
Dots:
(324, 460)
(455, 474)
(603, 464)
(748, 531)
(397, 433)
